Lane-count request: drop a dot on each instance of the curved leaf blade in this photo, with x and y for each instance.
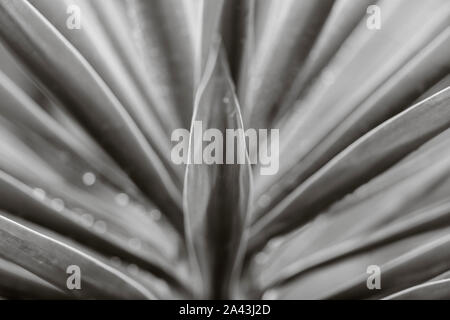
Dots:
(217, 195)
(368, 156)
(72, 80)
(49, 258)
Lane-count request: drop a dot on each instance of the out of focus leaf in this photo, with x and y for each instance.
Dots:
(285, 38)
(20, 200)
(383, 215)
(49, 259)
(77, 84)
(19, 108)
(389, 49)
(98, 49)
(163, 35)
(367, 157)
(343, 18)
(17, 283)
(434, 290)
(424, 69)
(404, 263)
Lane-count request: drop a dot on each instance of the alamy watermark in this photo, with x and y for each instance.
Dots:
(212, 146)
(373, 21)
(73, 21)
(374, 279)
(74, 279)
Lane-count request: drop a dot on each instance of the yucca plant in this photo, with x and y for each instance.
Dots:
(87, 183)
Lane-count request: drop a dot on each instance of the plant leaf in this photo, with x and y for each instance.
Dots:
(216, 195)
(20, 200)
(368, 156)
(17, 283)
(162, 33)
(433, 290)
(384, 208)
(92, 39)
(49, 258)
(282, 44)
(403, 264)
(22, 110)
(74, 81)
(423, 70)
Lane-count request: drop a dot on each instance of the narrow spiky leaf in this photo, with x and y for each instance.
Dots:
(217, 194)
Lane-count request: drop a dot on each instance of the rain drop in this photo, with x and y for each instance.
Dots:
(134, 243)
(58, 205)
(100, 226)
(115, 261)
(39, 194)
(89, 178)
(155, 214)
(87, 220)
(133, 269)
(122, 199)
